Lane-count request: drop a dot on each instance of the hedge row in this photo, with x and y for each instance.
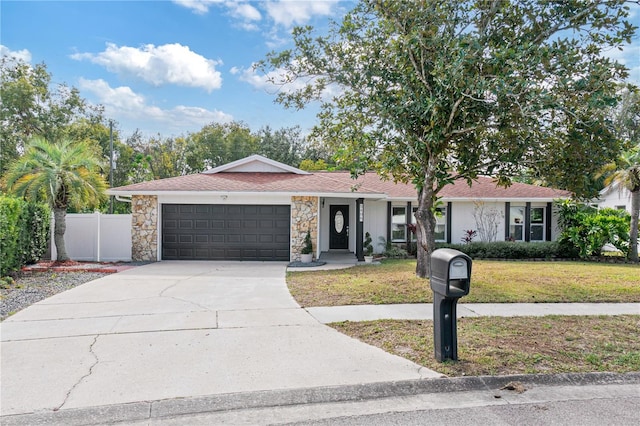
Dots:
(24, 233)
(513, 250)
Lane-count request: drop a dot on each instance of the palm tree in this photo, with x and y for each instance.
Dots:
(63, 174)
(625, 173)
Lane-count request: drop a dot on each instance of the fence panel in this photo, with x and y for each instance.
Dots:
(97, 237)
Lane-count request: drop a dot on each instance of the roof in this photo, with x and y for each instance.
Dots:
(274, 177)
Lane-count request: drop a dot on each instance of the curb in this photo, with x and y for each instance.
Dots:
(150, 410)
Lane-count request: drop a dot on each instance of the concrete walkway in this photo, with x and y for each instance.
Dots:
(177, 330)
(424, 311)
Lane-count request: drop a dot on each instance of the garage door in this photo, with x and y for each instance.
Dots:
(225, 232)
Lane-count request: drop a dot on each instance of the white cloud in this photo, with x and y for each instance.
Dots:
(276, 80)
(238, 8)
(243, 10)
(197, 6)
(158, 65)
(128, 107)
(296, 12)
(279, 81)
(23, 54)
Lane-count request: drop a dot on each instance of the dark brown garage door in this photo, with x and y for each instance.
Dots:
(225, 232)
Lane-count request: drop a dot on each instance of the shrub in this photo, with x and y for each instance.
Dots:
(510, 250)
(308, 246)
(368, 247)
(24, 233)
(10, 223)
(588, 230)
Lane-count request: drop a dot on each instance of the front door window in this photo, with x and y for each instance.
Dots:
(339, 226)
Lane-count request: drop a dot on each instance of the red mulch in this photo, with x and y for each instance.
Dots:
(73, 266)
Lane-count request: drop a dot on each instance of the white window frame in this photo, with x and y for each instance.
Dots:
(517, 221)
(537, 224)
(399, 225)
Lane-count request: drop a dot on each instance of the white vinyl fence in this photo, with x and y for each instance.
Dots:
(97, 237)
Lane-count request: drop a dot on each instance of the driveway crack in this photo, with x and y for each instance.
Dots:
(180, 299)
(96, 361)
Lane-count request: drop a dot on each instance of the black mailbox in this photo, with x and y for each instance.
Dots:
(450, 279)
(450, 273)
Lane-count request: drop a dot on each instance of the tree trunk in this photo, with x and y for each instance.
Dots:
(633, 235)
(425, 224)
(59, 228)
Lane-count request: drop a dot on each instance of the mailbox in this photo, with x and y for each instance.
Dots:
(450, 273)
(450, 279)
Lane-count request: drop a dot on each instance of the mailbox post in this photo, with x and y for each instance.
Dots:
(450, 279)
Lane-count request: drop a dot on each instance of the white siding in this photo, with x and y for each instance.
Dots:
(614, 198)
(375, 223)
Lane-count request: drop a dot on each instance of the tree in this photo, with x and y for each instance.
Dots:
(217, 144)
(32, 107)
(431, 91)
(62, 174)
(283, 145)
(625, 173)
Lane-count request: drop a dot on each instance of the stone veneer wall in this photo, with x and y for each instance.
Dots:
(304, 217)
(144, 228)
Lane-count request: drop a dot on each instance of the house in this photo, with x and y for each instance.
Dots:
(616, 197)
(258, 209)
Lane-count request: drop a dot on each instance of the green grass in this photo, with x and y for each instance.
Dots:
(394, 281)
(519, 345)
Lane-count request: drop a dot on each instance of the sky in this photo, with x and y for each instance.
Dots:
(174, 66)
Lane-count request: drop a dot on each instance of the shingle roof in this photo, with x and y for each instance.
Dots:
(333, 183)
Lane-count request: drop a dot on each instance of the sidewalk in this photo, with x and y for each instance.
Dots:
(424, 311)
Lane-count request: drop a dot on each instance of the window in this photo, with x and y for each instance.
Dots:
(537, 224)
(516, 223)
(621, 207)
(441, 224)
(398, 224)
(399, 227)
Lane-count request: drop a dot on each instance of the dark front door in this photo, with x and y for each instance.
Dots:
(339, 227)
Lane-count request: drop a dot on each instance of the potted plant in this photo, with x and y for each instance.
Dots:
(307, 250)
(368, 248)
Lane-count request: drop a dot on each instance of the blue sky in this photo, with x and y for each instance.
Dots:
(171, 67)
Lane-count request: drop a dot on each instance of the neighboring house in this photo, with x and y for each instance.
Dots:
(258, 209)
(615, 197)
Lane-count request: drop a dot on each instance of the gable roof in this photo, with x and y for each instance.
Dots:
(255, 163)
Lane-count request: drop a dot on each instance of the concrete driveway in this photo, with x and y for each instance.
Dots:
(178, 329)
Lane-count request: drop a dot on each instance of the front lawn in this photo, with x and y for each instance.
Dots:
(519, 345)
(394, 281)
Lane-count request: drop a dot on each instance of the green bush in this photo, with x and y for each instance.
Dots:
(36, 232)
(10, 227)
(24, 233)
(587, 230)
(511, 250)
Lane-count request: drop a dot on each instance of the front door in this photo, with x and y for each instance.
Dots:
(339, 227)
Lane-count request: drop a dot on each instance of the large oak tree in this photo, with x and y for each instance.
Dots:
(428, 91)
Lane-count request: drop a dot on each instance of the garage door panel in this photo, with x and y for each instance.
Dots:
(282, 239)
(265, 238)
(234, 232)
(250, 224)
